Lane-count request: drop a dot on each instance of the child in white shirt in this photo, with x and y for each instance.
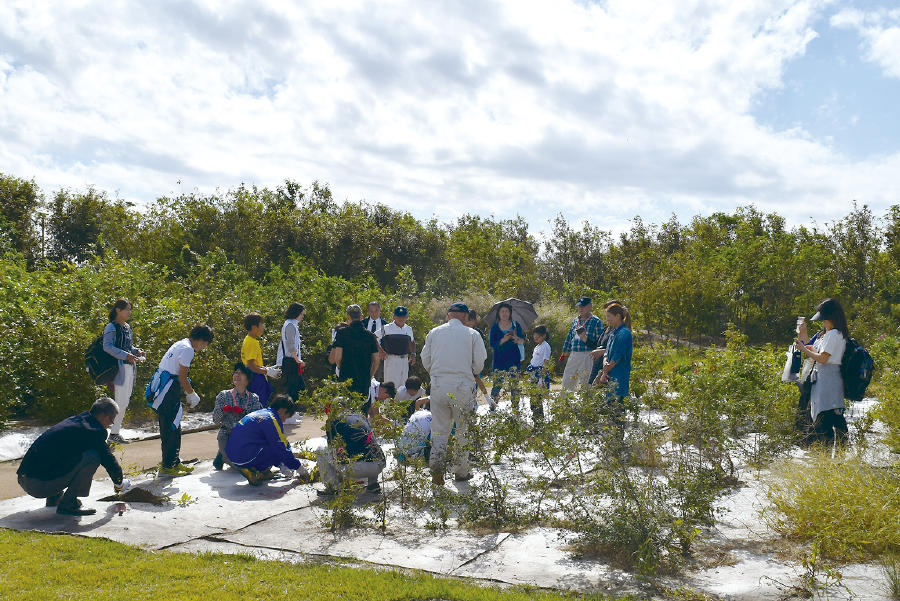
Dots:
(539, 373)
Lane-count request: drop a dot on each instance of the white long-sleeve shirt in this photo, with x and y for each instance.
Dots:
(453, 351)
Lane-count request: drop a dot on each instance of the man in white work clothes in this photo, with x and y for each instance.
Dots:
(453, 355)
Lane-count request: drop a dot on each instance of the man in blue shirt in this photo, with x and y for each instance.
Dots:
(257, 443)
(581, 340)
(617, 362)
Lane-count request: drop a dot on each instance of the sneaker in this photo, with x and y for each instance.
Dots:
(117, 438)
(218, 462)
(253, 476)
(54, 500)
(74, 509)
(176, 470)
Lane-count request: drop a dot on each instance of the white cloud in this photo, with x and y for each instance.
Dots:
(880, 30)
(598, 111)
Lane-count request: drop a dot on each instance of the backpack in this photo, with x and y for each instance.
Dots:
(102, 366)
(856, 370)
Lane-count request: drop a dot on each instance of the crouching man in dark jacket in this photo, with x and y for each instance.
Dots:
(60, 465)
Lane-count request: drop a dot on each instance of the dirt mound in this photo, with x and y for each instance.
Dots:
(137, 495)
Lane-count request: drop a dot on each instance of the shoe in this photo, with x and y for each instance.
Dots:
(218, 462)
(54, 500)
(74, 509)
(463, 478)
(327, 493)
(117, 438)
(437, 479)
(374, 489)
(176, 470)
(253, 476)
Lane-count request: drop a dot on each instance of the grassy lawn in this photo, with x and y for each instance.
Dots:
(45, 567)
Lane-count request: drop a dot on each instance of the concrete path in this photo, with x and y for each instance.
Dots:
(145, 454)
(219, 511)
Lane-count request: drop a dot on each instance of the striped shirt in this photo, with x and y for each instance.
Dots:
(592, 326)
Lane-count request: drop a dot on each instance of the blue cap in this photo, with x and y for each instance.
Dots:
(458, 308)
(401, 311)
(584, 301)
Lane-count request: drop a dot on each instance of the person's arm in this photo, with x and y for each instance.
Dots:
(273, 441)
(290, 335)
(479, 353)
(109, 345)
(520, 335)
(426, 354)
(338, 353)
(495, 338)
(811, 352)
(183, 371)
(412, 350)
(376, 359)
(567, 344)
(107, 459)
(218, 413)
(251, 363)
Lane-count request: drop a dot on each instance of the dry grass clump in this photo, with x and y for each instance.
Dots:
(850, 508)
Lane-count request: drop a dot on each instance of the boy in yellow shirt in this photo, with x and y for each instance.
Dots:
(251, 356)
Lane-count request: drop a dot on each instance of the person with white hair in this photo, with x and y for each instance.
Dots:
(60, 465)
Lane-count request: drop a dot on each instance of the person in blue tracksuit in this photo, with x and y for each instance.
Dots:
(257, 443)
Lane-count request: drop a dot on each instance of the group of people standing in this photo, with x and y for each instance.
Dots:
(373, 355)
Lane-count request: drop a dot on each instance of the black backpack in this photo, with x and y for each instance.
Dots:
(856, 370)
(102, 366)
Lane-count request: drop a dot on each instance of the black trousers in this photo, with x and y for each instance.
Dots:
(169, 436)
(829, 425)
(292, 378)
(76, 483)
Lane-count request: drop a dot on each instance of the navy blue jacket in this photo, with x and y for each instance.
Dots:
(58, 450)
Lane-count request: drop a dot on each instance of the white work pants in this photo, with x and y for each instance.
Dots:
(451, 403)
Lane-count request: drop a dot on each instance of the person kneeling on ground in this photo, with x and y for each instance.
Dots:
(378, 394)
(352, 452)
(415, 442)
(60, 465)
(412, 395)
(231, 406)
(257, 443)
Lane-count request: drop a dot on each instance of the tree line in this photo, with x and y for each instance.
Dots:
(686, 280)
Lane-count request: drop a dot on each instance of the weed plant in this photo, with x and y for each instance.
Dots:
(890, 567)
(850, 508)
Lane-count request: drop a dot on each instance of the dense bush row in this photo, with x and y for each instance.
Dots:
(687, 280)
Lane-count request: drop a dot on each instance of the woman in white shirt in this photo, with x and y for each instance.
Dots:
(289, 352)
(826, 403)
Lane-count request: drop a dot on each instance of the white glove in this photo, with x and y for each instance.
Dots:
(302, 474)
(193, 399)
(286, 471)
(273, 372)
(124, 486)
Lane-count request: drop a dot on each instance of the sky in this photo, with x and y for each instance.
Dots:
(600, 111)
